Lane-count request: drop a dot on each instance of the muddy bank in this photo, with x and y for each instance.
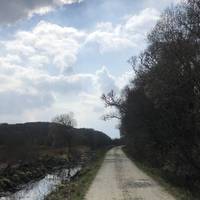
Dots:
(13, 177)
(38, 190)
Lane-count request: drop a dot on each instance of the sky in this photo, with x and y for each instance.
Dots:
(59, 56)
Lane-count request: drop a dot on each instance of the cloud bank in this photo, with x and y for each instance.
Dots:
(38, 67)
(14, 10)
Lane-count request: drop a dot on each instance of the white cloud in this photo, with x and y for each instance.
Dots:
(46, 46)
(125, 78)
(34, 93)
(34, 62)
(16, 102)
(12, 10)
(105, 80)
(131, 33)
(109, 41)
(24, 89)
(36, 68)
(65, 85)
(55, 48)
(160, 4)
(141, 23)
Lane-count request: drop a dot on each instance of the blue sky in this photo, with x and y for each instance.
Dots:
(59, 56)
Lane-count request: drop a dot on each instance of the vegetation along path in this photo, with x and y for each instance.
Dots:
(120, 179)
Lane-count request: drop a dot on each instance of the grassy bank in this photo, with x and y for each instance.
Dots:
(178, 192)
(77, 188)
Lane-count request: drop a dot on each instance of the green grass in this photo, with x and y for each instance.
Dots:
(77, 188)
(178, 192)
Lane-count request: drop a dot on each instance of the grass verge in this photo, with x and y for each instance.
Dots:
(77, 188)
(158, 176)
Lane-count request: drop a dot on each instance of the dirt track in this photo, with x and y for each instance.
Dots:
(120, 179)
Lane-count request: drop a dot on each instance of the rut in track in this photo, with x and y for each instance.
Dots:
(120, 179)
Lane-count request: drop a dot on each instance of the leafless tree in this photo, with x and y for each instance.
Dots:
(68, 121)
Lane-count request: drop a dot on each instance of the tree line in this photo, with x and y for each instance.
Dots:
(159, 110)
(24, 141)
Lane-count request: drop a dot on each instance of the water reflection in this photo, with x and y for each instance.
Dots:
(39, 189)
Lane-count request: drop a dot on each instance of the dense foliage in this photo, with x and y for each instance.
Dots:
(22, 141)
(160, 109)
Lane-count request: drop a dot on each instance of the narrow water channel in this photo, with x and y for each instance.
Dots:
(38, 190)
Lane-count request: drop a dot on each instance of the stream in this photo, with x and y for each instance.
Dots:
(38, 190)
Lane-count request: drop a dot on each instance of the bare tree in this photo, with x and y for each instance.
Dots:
(111, 100)
(68, 121)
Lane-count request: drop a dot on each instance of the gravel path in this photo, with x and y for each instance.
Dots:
(120, 179)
